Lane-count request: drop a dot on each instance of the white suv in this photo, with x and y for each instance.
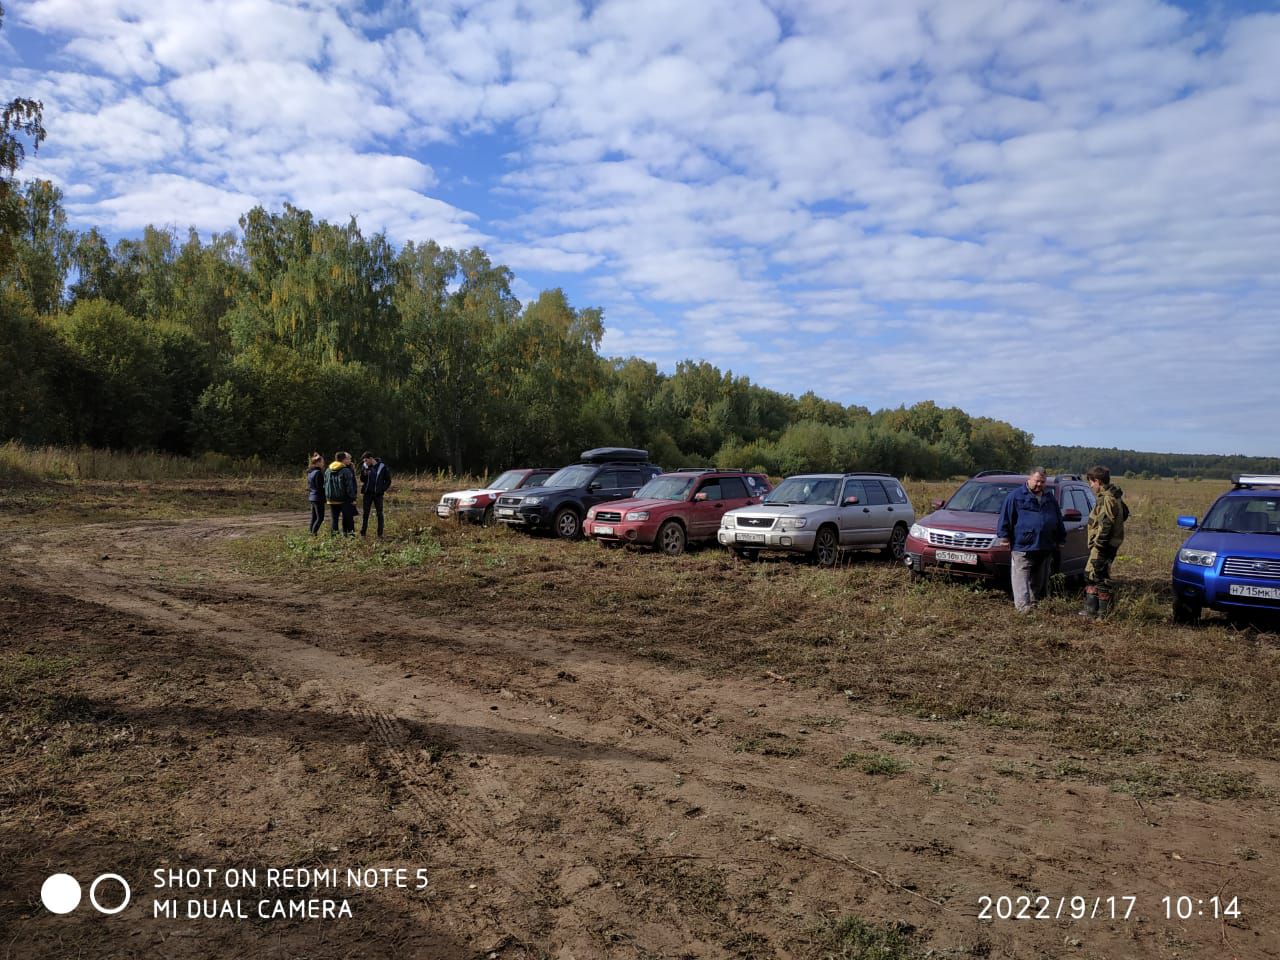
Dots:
(822, 514)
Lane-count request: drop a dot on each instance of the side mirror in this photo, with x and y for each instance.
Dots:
(594, 485)
(850, 500)
(1185, 521)
(1072, 514)
(635, 491)
(700, 496)
(936, 504)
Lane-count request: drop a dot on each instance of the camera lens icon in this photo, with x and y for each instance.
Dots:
(61, 893)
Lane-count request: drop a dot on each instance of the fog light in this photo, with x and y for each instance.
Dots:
(785, 541)
(631, 534)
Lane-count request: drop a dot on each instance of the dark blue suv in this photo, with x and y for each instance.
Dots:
(1232, 561)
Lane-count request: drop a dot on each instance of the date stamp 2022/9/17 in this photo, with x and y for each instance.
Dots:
(1112, 907)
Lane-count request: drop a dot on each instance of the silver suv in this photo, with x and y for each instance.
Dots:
(822, 514)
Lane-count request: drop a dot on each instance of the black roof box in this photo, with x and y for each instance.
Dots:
(614, 455)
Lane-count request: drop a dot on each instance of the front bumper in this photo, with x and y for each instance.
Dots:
(527, 517)
(923, 557)
(640, 532)
(796, 541)
(1208, 587)
(447, 511)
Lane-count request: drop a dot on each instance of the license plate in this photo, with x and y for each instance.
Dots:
(1258, 593)
(506, 511)
(443, 511)
(603, 531)
(953, 556)
(749, 538)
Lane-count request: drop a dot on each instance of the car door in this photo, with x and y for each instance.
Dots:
(605, 486)
(1075, 552)
(880, 521)
(706, 509)
(853, 519)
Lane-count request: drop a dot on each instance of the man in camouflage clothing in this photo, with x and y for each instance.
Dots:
(1106, 533)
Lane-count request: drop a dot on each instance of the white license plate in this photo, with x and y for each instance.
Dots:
(1259, 593)
(443, 511)
(953, 556)
(603, 531)
(506, 511)
(749, 538)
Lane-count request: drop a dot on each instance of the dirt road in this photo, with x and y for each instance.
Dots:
(564, 801)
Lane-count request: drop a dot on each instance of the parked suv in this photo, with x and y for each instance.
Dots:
(675, 509)
(561, 503)
(959, 537)
(821, 514)
(1231, 562)
(477, 505)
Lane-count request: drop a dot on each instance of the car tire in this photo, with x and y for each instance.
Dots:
(671, 538)
(746, 554)
(486, 518)
(567, 524)
(1185, 611)
(826, 547)
(896, 548)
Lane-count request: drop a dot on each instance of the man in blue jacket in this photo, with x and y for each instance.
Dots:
(375, 481)
(1031, 522)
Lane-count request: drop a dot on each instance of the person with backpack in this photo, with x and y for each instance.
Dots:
(1106, 533)
(340, 493)
(315, 492)
(375, 480)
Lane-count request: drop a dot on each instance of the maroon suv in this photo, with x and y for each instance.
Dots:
(959, 537)
(675, 509)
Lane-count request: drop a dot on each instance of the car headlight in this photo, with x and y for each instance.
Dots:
(796, 523)
(1198, 558)
(638, 515)
(591, 514)
(532, 501)
(467, 502)
(728, 521)
(919, 532)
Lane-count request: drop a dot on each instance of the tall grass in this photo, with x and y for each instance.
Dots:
(19, 461)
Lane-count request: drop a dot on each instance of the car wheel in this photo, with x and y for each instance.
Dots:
(896, 549)
(567, 525)
(1184, 611)
(671, 538)
(486, 518)
(747, 554)
(826, 547)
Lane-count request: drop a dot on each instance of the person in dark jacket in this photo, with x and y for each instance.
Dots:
(1031, 522)
(315, 492)
(375, 480)
(1106, 533)
(340, 493)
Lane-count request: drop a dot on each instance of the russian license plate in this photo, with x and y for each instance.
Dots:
(749, 538)
(506, 511)
(603, 531)
(443, 510)
(1258, 593)
(954, 556)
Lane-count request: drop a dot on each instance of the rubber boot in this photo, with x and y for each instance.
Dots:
(1104, 604)
(1090, 608)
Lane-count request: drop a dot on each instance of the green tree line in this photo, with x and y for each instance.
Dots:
(295, 334)
(1137, 463)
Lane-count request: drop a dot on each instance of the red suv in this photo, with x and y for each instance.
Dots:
(959, 537)
(675, 509)
(477, 505)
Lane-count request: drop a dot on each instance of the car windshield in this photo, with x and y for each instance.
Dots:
(506, 481)
(817, 490)
(665, 488)
(578, 475)
(976, 497)
(1259, 514)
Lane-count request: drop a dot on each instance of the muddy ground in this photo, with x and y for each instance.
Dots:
(162, 710)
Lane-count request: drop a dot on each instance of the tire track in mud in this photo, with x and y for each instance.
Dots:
(610, 704)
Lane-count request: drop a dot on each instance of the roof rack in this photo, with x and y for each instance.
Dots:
(708, 470)
(614, 455)
(1064, 476)
(1255, 480)
(996, 473)
(867, 473)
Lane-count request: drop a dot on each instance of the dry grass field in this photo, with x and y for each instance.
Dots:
(599, 753)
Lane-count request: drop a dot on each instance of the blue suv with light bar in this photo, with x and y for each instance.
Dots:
(1231, 563)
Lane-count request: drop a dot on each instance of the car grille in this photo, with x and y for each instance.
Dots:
(756, 523)
(1250, 567)
(970, 541)
(450, 501)
(510, 501)
(608, 516)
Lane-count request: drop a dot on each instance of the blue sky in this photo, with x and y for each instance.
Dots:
(1064, 215)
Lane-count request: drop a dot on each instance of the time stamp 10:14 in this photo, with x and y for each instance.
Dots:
(1026, 907)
